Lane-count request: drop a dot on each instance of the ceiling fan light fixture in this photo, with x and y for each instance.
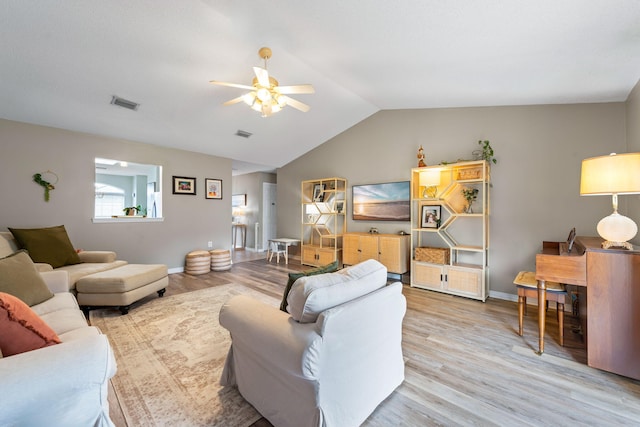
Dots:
(249, 98)
(265, 95)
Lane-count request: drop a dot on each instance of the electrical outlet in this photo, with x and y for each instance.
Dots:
(209, 244)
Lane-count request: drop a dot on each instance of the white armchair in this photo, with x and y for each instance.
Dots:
(332, 372)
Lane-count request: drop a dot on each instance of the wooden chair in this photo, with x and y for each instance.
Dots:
(528, 287)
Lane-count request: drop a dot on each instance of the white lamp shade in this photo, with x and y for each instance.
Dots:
(613, 174)
(311, 209)
(430, 177)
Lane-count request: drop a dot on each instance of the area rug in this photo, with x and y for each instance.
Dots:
(170, 354)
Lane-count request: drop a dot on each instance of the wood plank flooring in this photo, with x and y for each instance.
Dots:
(465, 363)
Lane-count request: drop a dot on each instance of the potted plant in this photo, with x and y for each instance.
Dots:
(131, 210)
(487, 152)
(470, 194)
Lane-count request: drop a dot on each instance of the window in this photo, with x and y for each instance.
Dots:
(120, 184)
(109, 201)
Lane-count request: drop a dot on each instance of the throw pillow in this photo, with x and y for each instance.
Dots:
(21, 329)
(20, 278)
(312, 295)
(329, 268)
(49, 245)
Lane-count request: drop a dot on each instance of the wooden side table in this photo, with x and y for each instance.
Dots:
(242, 228)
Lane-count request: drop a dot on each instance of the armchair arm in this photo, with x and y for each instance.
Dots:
(57, 281)
(43, 266)
(97, 256)
(270, 333)
(68, 381)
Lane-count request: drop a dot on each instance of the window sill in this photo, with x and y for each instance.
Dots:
(127, 219)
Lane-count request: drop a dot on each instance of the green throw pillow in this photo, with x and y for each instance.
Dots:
(49, 245)
(20, 278)
(329, 268)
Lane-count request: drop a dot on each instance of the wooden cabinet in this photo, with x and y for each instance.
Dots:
(392, 250)
(323, 220)
(441, 218)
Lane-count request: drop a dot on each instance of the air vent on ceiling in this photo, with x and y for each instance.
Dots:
(120, 102)
(243, 133)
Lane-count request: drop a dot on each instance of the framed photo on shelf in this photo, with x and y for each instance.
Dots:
(430, 216)
(213, 188)
(184, 185)
(318, 193)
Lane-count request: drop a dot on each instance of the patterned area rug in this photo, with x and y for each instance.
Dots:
(170, 353)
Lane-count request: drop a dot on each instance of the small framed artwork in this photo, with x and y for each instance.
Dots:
(430, 216)
(318, 193)
(238, 200)
(184, 185)
(213, 188)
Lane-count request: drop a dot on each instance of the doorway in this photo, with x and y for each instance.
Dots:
(269, 213)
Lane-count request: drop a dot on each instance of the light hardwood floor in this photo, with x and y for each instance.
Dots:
(465, 363)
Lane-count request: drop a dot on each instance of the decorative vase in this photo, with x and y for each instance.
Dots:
(469, 209)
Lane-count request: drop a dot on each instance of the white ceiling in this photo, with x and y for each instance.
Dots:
(61, 62)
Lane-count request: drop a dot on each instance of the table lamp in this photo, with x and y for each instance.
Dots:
(430, 179)
(312, 212)
(613, 175)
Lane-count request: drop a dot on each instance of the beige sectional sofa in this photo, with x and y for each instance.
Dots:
(99, 279)
(92, 261)
(63, 384)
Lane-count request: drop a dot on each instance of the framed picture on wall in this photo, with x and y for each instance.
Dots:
(184, 185)
(213, 188)
(238, 200)
(430, 216)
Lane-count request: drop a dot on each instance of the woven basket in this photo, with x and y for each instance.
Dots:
(475, 173)
(432, 255)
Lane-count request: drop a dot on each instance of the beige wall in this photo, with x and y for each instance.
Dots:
(189, 221)
(535, 193)
(251, 185)
(632, 209)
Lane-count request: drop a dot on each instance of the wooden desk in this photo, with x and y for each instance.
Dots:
(242, 228)
(611, 279)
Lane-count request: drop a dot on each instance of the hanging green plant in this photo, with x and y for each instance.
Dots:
(487, 152)
(37, 178)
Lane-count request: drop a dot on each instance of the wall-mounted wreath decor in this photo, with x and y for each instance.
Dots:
(48, 186)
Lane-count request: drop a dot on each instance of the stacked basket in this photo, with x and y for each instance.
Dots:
(220, 259)
(197, 262)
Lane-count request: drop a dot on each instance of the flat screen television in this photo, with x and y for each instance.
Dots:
(388, 201)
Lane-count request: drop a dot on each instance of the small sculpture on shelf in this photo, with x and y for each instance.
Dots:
(470, 194)
(420, 157)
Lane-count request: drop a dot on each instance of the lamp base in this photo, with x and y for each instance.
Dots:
(620, 245)
(617, 230)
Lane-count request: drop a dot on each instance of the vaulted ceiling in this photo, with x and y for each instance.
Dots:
(62, 61)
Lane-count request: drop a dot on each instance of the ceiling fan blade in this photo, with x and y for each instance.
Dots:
(263, 76)
(296, 104)
(239, 86)
(295, 89)
(234, 100)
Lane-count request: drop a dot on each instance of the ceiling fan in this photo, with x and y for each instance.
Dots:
(265, 95)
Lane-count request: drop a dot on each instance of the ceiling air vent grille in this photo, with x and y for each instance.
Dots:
(120, 102)
(243, 133)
